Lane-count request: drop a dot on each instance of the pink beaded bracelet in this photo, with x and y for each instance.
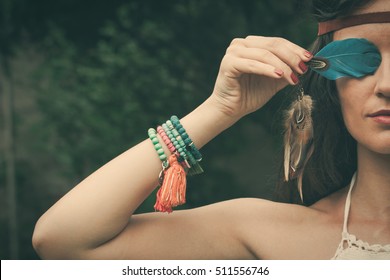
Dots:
(166, 139)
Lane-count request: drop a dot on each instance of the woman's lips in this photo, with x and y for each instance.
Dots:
(381, 116)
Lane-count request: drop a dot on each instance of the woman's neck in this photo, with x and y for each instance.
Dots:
(372, 189)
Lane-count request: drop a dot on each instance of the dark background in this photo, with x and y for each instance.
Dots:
(82, 81)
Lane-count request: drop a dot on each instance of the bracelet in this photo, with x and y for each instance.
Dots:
(186, 138)
(195, 166)
(166, 139)
(156, 143)
(177, 137)
(182, 154)
(172, 178)
(183, 161)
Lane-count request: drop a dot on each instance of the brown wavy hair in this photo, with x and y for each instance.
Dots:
(334, 160)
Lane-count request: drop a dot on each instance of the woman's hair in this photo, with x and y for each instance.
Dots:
(334, 159)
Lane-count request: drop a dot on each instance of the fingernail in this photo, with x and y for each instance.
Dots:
(308, 54)
(279, 72)
(302, 66)
(294, 78)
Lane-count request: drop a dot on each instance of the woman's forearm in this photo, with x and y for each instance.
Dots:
(99, 207)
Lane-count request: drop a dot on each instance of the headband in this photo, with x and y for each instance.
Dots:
(343, 22)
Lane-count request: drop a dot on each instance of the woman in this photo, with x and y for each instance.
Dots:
(94, 220)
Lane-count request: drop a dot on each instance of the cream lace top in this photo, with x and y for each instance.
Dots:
(351, 248)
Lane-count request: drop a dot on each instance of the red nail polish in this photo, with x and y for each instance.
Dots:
(308, 54)
(294, 78)
(279, 72)
(302, 66)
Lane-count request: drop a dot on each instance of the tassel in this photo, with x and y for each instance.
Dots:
(173, 188)
(354, 57)
(298, 139)
(195, 168)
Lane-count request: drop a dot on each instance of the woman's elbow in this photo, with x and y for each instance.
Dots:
(46, 245)
(51, 244)
(41, 241)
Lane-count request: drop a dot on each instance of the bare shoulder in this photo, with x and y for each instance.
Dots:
(286, 231)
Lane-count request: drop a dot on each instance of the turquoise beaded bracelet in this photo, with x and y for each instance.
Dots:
(182, 153)
(186, 138)
(195, 166)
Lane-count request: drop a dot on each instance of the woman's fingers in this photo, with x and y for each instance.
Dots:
(238, 65)
(267, 59)
(254, 69)
(275, 54)
(279, 46)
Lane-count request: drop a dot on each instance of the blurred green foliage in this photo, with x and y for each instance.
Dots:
(91, 77)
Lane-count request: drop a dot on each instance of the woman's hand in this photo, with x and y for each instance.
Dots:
(253, 70)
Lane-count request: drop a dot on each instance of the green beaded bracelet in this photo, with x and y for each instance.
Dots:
(195, 166)
(179, 149)
(180, 143)
(186, 138)
(156, 143)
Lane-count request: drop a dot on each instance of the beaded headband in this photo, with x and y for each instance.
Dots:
(343, 22)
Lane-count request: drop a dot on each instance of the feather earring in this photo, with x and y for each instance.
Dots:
(354, 57)
(298, 138)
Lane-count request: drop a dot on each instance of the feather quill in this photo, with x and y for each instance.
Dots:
(298, 143)
(355, 57)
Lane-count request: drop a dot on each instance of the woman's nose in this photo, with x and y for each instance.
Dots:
(383, 74)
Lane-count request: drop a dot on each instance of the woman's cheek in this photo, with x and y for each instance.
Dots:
(352, 103)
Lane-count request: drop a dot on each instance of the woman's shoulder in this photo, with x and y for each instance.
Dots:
(333, 202)
(288, 231)
(268, 209)
(331, 206)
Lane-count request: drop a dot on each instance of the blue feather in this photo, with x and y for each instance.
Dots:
(346, 58)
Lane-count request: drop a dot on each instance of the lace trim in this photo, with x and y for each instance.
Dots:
(350, 241)
(354, 242)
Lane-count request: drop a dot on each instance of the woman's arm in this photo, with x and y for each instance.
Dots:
(99, 208)
(94, 220)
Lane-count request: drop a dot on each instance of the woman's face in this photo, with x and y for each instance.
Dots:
(365, 102)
